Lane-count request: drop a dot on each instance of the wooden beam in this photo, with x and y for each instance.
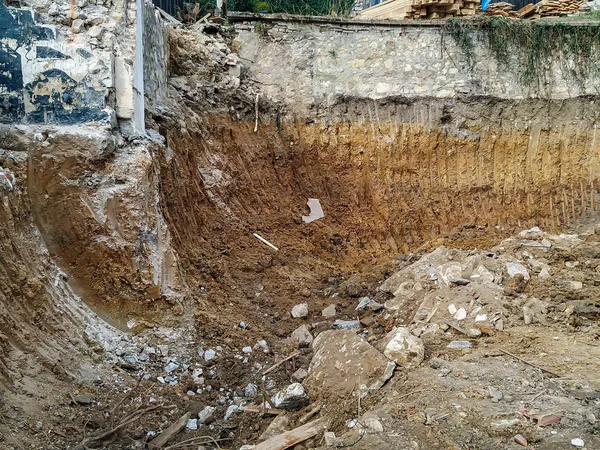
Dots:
(160, 440)
(293, 437)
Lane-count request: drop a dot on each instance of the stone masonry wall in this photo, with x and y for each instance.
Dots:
(311, 63)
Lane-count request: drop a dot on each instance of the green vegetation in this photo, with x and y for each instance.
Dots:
(302, 7)
(534, 45)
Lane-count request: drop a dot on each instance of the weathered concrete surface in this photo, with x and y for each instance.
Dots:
(304, 64)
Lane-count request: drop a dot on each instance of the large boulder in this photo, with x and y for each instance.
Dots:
(343, 359)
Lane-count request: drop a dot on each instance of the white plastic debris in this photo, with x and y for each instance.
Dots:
(452, 309)
(316, 211)
(247, 350)
(481, 318)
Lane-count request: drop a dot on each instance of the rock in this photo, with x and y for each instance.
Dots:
(209, 354)
(458, 345)
(77, 26)
(206, 416)
(367, 321)
(330, 439)
(251, 390)
(171, 367)
(451, 273)
(515, 268)
(302, 336)
(495, 394)
(373, 425)
(504, 424)
(305, 292)
(243, 325)
(96, 32)
(329, 312)
(519, 439)
(544, 273)
(192, 424)
(363, 304)
(341, 357)
(262, 344)
(577, 442)
(247, 350)
(84, 399)
(481, 318)
(460, 314)
(280, 424)
(403, 348)
(374, 306)
(292, 398)
(231, 410)
(300, 311)
(340, 324)
(247, 447)
(299, 375)
(473, 332)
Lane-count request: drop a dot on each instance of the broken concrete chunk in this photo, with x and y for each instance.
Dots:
(363, 304)
(300, 311)
(341, 358)
(84, 399)
(403, 348)
(292, 398)
(206, 415)
(515, 268)
(302, 336)
(329, 311)
(316, 211)
(299, 375)
(340, 324)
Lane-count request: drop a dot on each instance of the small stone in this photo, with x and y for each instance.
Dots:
(300, 311)
(458, 345)
(481, 318)
(171, 367)
(403, 348)
(329, 312)
(367, 321)
(131, 359)
(232, 409)
(299, 375)
(247, 350)
(302, 336)
(251, 390)
(374, 306)
(77, 26)
(243, 325)
(373, 425)
(305, 292)
(546, 243)
(473, 332)
(330, 439)
(96, 32)
(461, 314)
(209, 354)
(495, 394)
(577, 442)
(197, 373)
(346, 324)
(516, 268)
(190, 393)
(263, 344)
(504, 424)
(192, 424)
(292, 398)
(206, 415)
(84, 399)
(499, 325)
(247, 447)
(519, 439)
(363, 304)
(452, 309)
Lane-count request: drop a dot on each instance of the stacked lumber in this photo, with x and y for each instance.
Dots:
(419, 9)
(499, 9)
(547, 8)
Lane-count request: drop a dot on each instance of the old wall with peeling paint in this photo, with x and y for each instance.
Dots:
(46, 79)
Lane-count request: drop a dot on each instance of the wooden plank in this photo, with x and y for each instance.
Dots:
(160, 440)
(293, 437)
(526, 10)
